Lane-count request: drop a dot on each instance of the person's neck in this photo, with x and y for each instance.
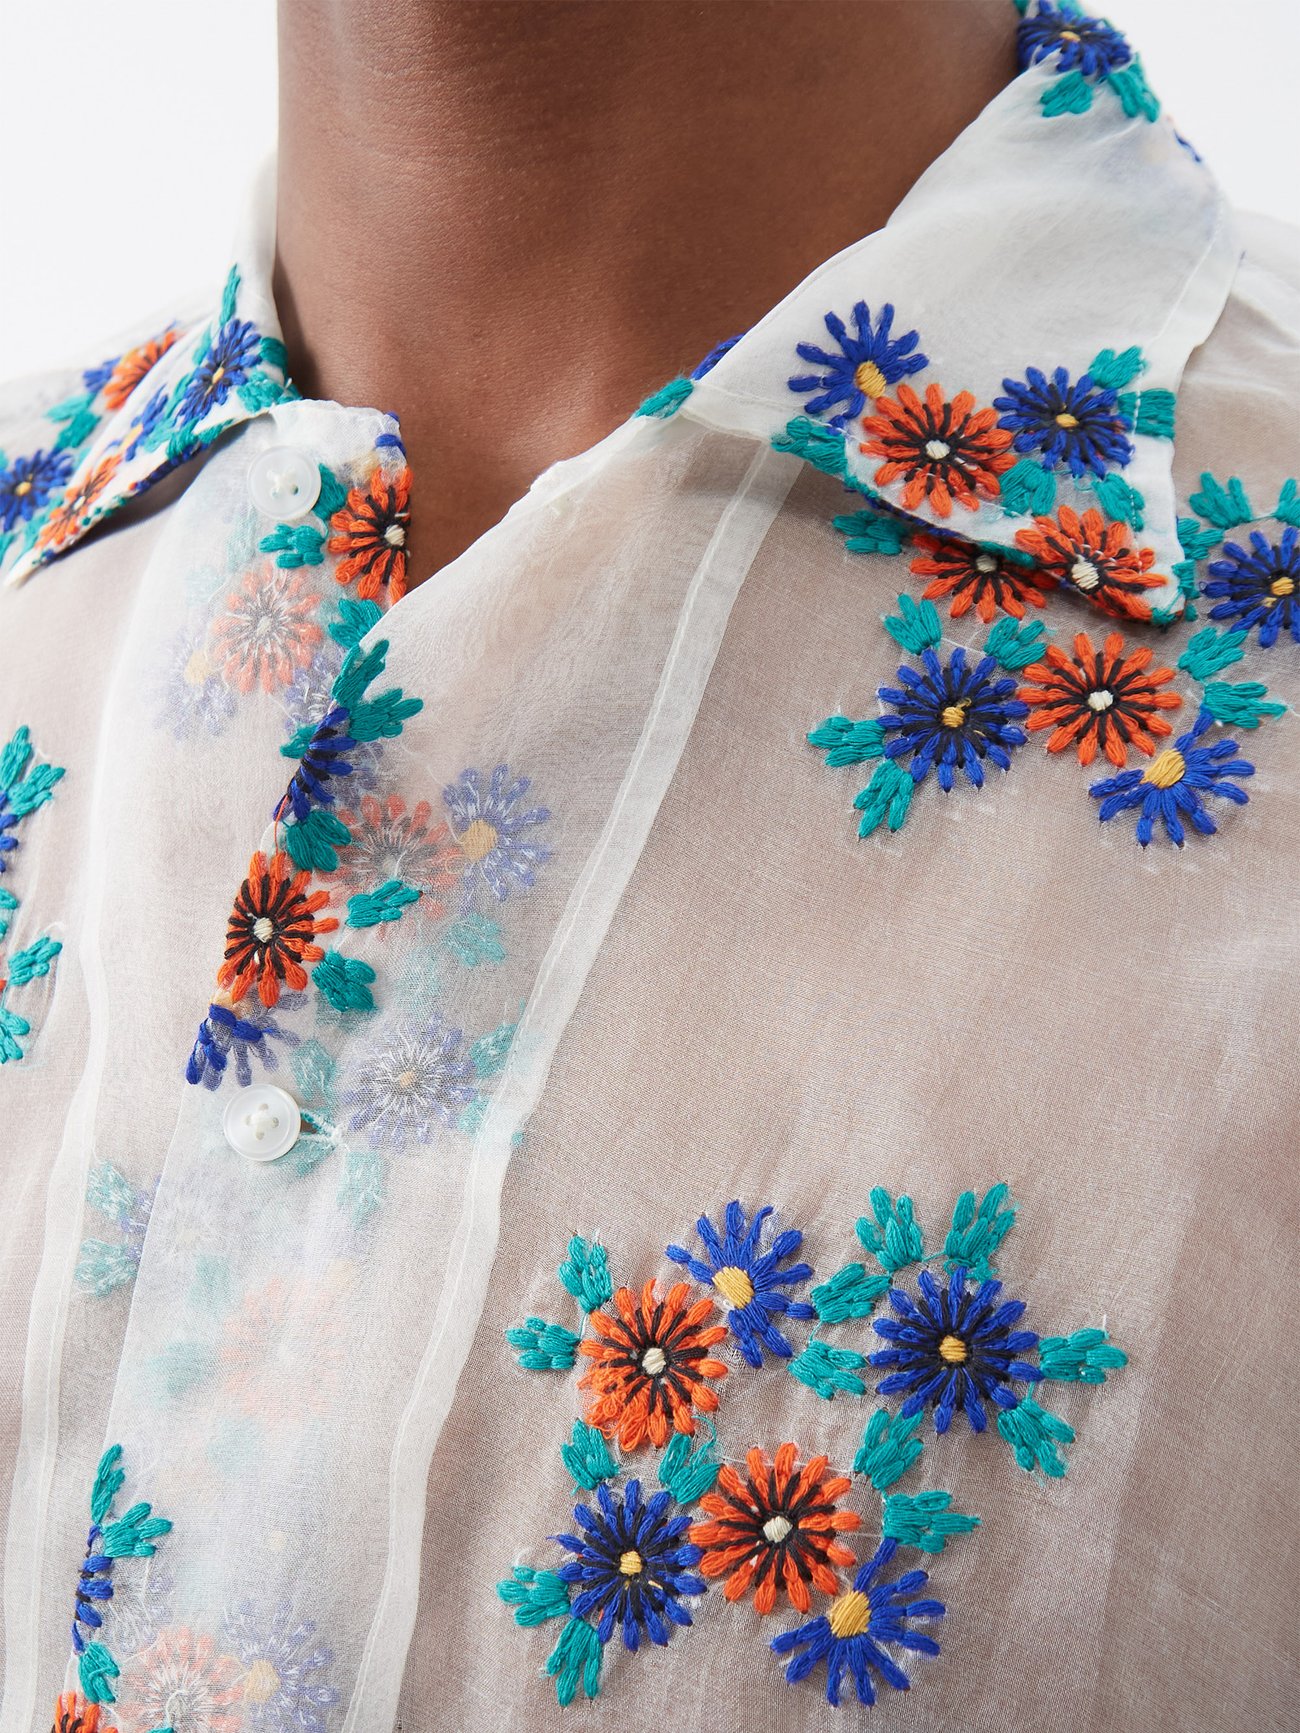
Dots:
(508, 221)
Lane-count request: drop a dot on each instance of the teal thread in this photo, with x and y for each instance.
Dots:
(1069, 94)
(1155, 414)
(387, 902)
(354, 621)
(25, 786)
(1197, 541)
(1033, 1435)
(889, 1447)
(361, 1190)
(1243, 706)
(1210, 651)
(916, 626)
(851, 1292)
(1014, 647)
(1224, 506)
(474, 940)
(33, 962)
(587, 1457)
(1027, 488)
(976, 1233)
(1084, 1357)
(846, 742)
(829, 1371)
(294, 545)
(1136, 97)
(1114, 370)
(894, 1238)
(1119, 499)
(8, 903)
(344, 982)
(543, 1347)
(575, 1661)
(885, 799)
(688, 1474)
(312, 844)
(535, 1595)
(1287, 509)
(97, 1670)
(585, 1273)
(488, 1054)
(667, 400)
(924, 1520)
(872, 532)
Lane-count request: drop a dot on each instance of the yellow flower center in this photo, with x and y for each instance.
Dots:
(1166, 768)
(23, 487)
(850, 1615)
(1283, 585)
(217, 373)
(868, 378)
(630, 1564)
(198, 668)
(1070, 36)
(480, 839)
(1065, 419)
(261, 1682)
(953, 715)
(734, 1286)
(953, 1350)
(405, 1079)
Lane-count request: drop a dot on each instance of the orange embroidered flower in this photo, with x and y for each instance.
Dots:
(73, 1714)
(1096, 558)
(1099, 698)
(775, 1527)
(271, 928)
(370, 531)
(650, 1365)
(941, 451)
(978, 577)
(390, 842)
(133, 366)
(74, 511)
(268, 630)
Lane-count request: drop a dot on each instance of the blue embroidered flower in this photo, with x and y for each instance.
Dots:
(226, 363)
(27, 484)
(415, 1080)
(225, 1034)
(632, 1565)
(867, 362)
(1260, 588)
(952, 718)
(1087, 45)
(1173, 786)
(145, 421)
(492, 827)
(191, 696)
(284, 1691)
(748, 1281)
(954, 1347)
(94, 1586)
(850, 1635)
(326, 756)
(1078, 425)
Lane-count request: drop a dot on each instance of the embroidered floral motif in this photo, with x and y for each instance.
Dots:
(73, 1714)
(651, 1364)
(1076, 426)
(748, 1281)
(272, 930)
(948, 717)
(867, 363)
(252, 1031)
(632, 1565)
(224, 362)
(390, 841)
(849, 1637)
(268, 631)
(941, 451)
(1173, 787)
(990, 580)
(416, 1079)
(1256, 587)
(127, 372)
(1099, 698)
(370, 531)
(1089, 53)
(492, 828)
(1096, 558)
(25, 786)
(130, 1536)
(71, 512)
(182, 1682)
(27, 484)
(773, 1529)
(285, 1689)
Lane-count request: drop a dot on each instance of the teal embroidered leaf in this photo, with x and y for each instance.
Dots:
(587, 1457)
(488, 1054)
(1069, 94)
(1224, 506)
(1287, 509)
(228, 295)
(362, 1189)
(872, 532)
(1185, 572)
(667, 400)
(1195, 541)
(475, 940)
(294, 545)
(1210, 651)
(575, 1660)
(386, 903)
(312, 844)
(1014, 647)
(543, 1347)
(1137, 99)
(12, 1029)
(360, 668)
(345, 982)
(313, 1072)
(1113, 371)
(846, 742)
(817, 444)
(1027, 488)
(535, 1595)
(1119, 499)
(885, 799)
(894, 1238)
(103, 1267)
(259, 393)
(585, 1273)
(916, 626)
(924, 1520)
(829, 1370)
(133, 1535)
(274, 354)
(851, 1292)
(8, 903)
(299, 740)
(97, 1670)
(688, 1474)
(1033, 1435)
(1242, 706)
(110, 1477)
(1083, 1357)
(354, 621)
(976, 1233)
(1155, 414)
(888, 1448)
(383, 717)
(35, 960)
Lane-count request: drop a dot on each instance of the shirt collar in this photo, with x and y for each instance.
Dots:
(1068, 228)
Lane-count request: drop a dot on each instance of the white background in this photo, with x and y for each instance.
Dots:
(130, 129)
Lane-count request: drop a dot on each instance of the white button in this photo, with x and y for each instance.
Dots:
(284, 483)
(261, 1122)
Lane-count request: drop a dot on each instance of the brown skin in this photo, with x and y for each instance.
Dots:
(507, 221)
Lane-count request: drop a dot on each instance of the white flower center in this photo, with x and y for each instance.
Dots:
(1101, 699)
(1084, 575)
(986, 563)
(263, 929)
(654, 1360)
(395, 536)
(936, 449)
(775, 1529)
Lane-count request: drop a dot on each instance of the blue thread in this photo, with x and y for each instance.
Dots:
(748, 1279)
(951, 717)
(640, 1603)
(1194, 772)
(866, 362)
(1072, 425)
